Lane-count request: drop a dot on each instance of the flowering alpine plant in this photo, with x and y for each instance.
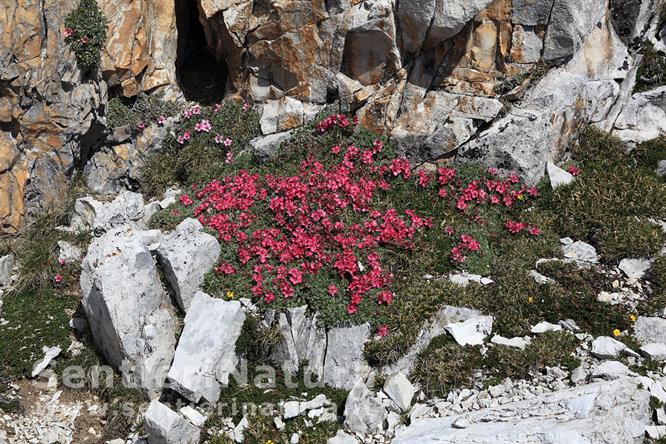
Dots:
(328, 229)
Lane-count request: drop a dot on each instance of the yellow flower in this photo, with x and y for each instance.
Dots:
(521, 197)
(270, 441)
(530, 300)
(616, 332)
(230, 294)
(632, 317)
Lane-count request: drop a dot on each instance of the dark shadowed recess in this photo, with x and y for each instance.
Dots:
(201, 77)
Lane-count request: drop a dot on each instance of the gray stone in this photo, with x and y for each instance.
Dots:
(540, 278)
(91, 214)
(342, 437)
(543, 327)
(605, 347)
(50, 353)
(655, 432)
(131, 318)
(654, 351)
(69, 254)
(558, 177)
(471, 331)
(164, 426)
(610, 370)
(6, 266)
(643, 116)
(445, 316)
(513, 342)
(580, 252)
(464, 279)
(400, 390)
(345, 362)
(648, 330)
(605, 412)
(661, 168)
(187, 255)
(193, 415)
(635, 268)
(364, 412)
(570, 23)
(302, 340)
(265, 146)
(206, 352)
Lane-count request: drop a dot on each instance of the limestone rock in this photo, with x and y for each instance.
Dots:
(69, 253)
(655, 351)
(303, 341)
(643, 117)
(445, 316)
(91, 214)
(544, 327)
(6, 267)
(558, 177)
(400, 390)
(610, 412)
(610, 370)
(649, 330)
(580, 252)
(635, 268)
(132, 322)
(345, 362)
(50, 353)
(364, 413)
(187, 255)
(605, 347)
(512, 342)
(164, 426)
(206, 352)
(265, 146)
(472, 331)
(341, 437)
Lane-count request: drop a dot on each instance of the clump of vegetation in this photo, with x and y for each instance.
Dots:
(649, 153)
(535, 74)
(445, 365)
(546, 350)
(85, 32)
(651, 72)
(147, 109)
(610, 192)
(657, 300)
(200, 150)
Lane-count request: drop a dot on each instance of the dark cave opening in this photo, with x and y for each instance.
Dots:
(201, 77)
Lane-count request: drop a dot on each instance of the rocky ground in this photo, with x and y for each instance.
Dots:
(407, 222)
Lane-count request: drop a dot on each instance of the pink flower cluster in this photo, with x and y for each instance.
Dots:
(322, 223)
(334, 120)
(194, 110)
(574, 171)
(467, 244)
(514, 227)
(203, 126)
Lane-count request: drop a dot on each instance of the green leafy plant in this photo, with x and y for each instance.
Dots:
(85, 32)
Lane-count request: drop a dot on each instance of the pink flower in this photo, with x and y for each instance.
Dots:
(58, 279)
(228, 142)
(225, 268)
(456, 255)
(186, 200)
(229, 158)
(61, 262)
(449, 230)
(219, 138)
(203, 126)
(217, 107)
(534, 231)
(514, 227)
(332, 290)
(246, 106)
(382, 331)
(161, 120)
(68, 32)
(141, 125)
(492, 171)
(423, 179)
(336, 149)
(295, 276)
(384, 297)
(84, 40)
(351, 309)
(574, 171)
(269, 297)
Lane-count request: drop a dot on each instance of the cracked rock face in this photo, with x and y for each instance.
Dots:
(605, 412)
(132, 321)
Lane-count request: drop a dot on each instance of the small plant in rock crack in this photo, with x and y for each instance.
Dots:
(85, 32)
(335, 230)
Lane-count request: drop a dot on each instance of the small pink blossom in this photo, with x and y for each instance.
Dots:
(58, 278)
(382, 331)
(332, 290)
(203, 126)
(246, 106)
(574, 171)
(534, 231)
(85, 40)
(68, 32)
(161, 120)
(229, 159)
(141, 125)
(228, 142)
